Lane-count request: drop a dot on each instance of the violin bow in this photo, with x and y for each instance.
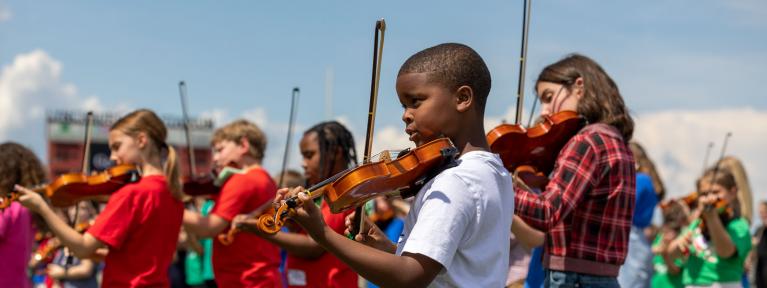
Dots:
(293, 102)
(192, 165)
(380, 28)
(719, 162)
(523, 62)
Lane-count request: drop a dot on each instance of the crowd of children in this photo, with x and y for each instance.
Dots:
(472, 224)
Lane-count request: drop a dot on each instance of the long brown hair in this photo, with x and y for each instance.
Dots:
(144, 120)
(646, 165)
(601, 102)
(735, 167)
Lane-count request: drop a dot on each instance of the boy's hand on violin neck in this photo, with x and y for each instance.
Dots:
(372, 236)
(306, 213)
(33, 201)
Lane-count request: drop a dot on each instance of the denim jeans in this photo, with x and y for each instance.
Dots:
(638, 269)
(562, 279)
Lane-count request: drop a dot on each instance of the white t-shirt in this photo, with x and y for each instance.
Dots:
(462, 219)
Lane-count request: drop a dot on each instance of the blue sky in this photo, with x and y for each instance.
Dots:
(690, 59)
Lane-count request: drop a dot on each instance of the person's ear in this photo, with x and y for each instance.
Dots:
(464, 98)
(244, 146)
(141, 140)
(578, 87)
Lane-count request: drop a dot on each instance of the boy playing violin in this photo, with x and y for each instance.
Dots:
(458, 217)
(586, 208)
(249, 261)
(141, 221)
(327, 149)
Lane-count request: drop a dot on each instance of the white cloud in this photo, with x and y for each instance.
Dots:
(389, 138)
(677, 141)
(29, 86)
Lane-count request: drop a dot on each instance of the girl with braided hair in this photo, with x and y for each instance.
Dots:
(327, 149)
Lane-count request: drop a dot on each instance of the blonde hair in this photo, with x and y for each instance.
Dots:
(645, 165)
(735, 167)
(239, 129)
(144, 120)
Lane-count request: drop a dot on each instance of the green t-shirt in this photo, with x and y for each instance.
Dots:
(661, 278)
(199, 267)
(704, 267)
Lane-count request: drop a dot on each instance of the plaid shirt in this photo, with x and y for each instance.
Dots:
(588, 204)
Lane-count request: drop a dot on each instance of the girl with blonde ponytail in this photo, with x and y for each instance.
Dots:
(142, 220)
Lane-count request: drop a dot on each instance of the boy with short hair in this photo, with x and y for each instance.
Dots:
(249, 261)
(460, 216)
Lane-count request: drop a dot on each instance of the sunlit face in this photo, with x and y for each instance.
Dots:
(556, 97)
(429, 108)
(310, 153)
(227, 152)
(123, 148)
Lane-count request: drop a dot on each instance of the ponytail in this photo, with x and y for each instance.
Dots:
(172, 175)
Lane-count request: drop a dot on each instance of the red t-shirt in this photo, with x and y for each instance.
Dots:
(327, 270)
(249, 261)
(140, 224)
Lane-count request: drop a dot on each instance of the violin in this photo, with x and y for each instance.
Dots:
(205, 184)
(531, 153)
(721, 205)
(45, 252)
(70, 188)
(353, 187)
(228, 238)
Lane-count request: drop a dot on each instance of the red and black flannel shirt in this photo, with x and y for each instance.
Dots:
(587, 206)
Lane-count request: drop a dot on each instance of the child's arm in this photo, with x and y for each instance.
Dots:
(577, 171)
(81, 271)
(530, 237)
(382, 268)
(295, 244)
(663, 249)
(723, 245)
(680, 245)
(204, 227)
(81, 245)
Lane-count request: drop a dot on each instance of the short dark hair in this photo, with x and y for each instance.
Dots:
(452, 65)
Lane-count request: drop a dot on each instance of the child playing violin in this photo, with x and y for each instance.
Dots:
(141, 221)
(586, 208)
(69, 271)
(715, 254)
(249, 261)
(458, 217)
(18, 165)
(668, 270)
(327, 149)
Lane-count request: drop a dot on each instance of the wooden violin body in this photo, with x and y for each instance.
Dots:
(209, 184)
(534, 150)
(351, 188)
(70, 188)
